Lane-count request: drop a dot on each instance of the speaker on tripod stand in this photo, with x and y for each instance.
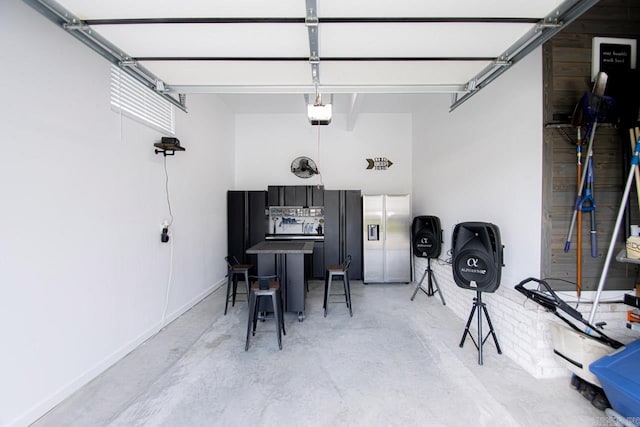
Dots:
(477, 260)
(426, 236)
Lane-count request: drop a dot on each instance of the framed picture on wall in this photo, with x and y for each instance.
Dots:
(612, 55)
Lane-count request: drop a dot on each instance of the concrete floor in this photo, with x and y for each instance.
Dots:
(396, 362)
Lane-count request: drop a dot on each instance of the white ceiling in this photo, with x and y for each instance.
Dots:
(241, 48)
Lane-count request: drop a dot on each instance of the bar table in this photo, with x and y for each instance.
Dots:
(288, 264)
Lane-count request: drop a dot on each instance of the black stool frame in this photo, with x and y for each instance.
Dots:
(233, 271)
(344, 272)
(265, 286)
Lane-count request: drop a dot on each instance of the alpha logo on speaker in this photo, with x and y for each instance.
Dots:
(424, 244)
(473, 268)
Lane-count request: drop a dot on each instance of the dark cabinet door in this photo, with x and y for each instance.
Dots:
(246, 223)
(295, 195)
(257, 220)
(343, 229)
(235, 224)
(275, 195)
(315, 195)
(318, 265)
(332, 227)
(352, 235)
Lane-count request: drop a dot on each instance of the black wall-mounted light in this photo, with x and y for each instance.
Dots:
(168, 146)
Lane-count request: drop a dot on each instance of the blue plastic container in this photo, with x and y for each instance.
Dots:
(619, 374)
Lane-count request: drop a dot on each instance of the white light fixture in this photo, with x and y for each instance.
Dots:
(319, 113)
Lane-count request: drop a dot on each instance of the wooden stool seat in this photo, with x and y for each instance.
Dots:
(273, 286)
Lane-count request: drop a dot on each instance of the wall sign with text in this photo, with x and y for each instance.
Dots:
(612, 55)
(379, 163)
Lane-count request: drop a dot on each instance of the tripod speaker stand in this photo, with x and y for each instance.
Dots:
(427, 239)
(477, 260)
(480, 307)
(431, 281)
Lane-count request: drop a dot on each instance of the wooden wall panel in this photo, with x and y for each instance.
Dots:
(567, 76)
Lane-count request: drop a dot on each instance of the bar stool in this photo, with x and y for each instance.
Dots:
(235, 270)
(269, 287)
(337, 271)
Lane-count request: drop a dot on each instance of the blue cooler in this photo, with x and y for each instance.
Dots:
(619, 374)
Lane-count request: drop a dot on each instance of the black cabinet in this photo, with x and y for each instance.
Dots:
(315, 195)
(246, 223)
(295, 195)
(343, 229)
(317, 263)
(275, 195)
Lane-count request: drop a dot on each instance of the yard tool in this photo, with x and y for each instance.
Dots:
(633, 137)
(588, 204)
(579, 143)
(572, 346)
(593, 105)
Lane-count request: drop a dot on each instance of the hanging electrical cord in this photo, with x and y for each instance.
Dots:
(166, 187)
(166, 299)
(321, 183)
(165, 232)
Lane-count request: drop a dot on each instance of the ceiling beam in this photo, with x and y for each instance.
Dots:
(324, 59)
(306, 89)
(326, 20)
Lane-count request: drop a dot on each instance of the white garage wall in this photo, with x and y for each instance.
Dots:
(83, 275)
(483, 162)
(267, 143)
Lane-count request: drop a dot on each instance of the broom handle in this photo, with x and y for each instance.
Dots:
(581, 187)
(579, 240)
(633, 136)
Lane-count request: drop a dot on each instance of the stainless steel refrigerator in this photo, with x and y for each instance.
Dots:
(386, 238)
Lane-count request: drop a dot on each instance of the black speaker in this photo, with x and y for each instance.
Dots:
(477, 256)
(426, 236)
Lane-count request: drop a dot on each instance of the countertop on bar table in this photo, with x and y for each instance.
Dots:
(281, 247)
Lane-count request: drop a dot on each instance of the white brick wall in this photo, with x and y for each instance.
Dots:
(521, 325)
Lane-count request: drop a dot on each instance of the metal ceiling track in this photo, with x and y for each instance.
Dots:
(544, 30)
(311, 22)
(326, 20)
(81, 31)
(296, 89)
